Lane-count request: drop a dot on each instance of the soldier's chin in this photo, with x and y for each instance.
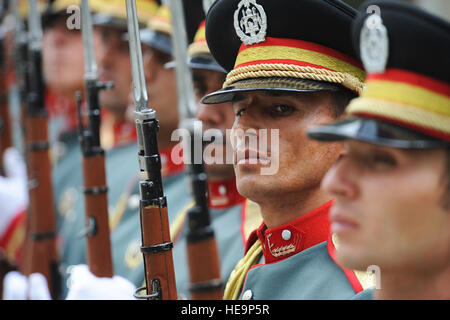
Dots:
(351, 257)
(252, 185)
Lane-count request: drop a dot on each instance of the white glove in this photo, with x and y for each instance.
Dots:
(13, 188)
(16, 286)
(83, 285)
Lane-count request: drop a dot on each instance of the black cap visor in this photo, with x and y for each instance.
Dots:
(155, 39)
(104, 20)
(375, 132)
(269, 84)
(158, 40)
(204, 62)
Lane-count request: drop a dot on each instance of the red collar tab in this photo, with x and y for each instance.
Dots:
(168, 167)
(223, 194)
(62, 111)
(286, 240)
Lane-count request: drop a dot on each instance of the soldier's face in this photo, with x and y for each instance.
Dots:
(63, 62)
(220, 116)
(161, 88)
(388, 208)
(113, 65)
(302, 162)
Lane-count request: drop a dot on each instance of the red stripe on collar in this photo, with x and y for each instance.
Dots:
(349, 273)
(223, 194)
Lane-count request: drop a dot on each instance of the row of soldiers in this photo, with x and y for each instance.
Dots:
(359, 102)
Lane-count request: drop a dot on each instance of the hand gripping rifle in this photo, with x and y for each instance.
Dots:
(41, 253)
(155, 233)
(94, 175)
(203, 260)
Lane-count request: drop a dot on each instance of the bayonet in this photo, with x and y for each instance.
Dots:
(90, 64)
(137, 64)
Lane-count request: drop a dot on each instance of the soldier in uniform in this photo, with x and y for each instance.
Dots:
(63, 71)
(232, 218)
(118, 135)
(287, 71)
(161, 88)
(391, 188)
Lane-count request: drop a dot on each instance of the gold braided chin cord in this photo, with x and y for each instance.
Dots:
(237, 276)
(293, 71)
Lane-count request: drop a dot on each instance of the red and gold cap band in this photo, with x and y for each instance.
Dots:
(161, 21)
(199, 46)
(407, 98)
(290, 58)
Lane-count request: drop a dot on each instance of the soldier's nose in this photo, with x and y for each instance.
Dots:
(339, 182)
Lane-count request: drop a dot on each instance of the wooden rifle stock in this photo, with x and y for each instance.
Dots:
(99, 257)
(156, 247)
(203, 257)
(155, 230)
(41, 251)
(204, 273)
(97, 227)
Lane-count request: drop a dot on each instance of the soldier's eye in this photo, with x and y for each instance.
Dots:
(380, 161)
(282, 110)
(240, 112)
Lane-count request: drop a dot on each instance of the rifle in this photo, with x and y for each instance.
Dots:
(41, 251)
(203, 260)
(94, 175)
(155, 233)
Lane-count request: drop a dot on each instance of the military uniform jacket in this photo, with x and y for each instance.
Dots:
(297, 262)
